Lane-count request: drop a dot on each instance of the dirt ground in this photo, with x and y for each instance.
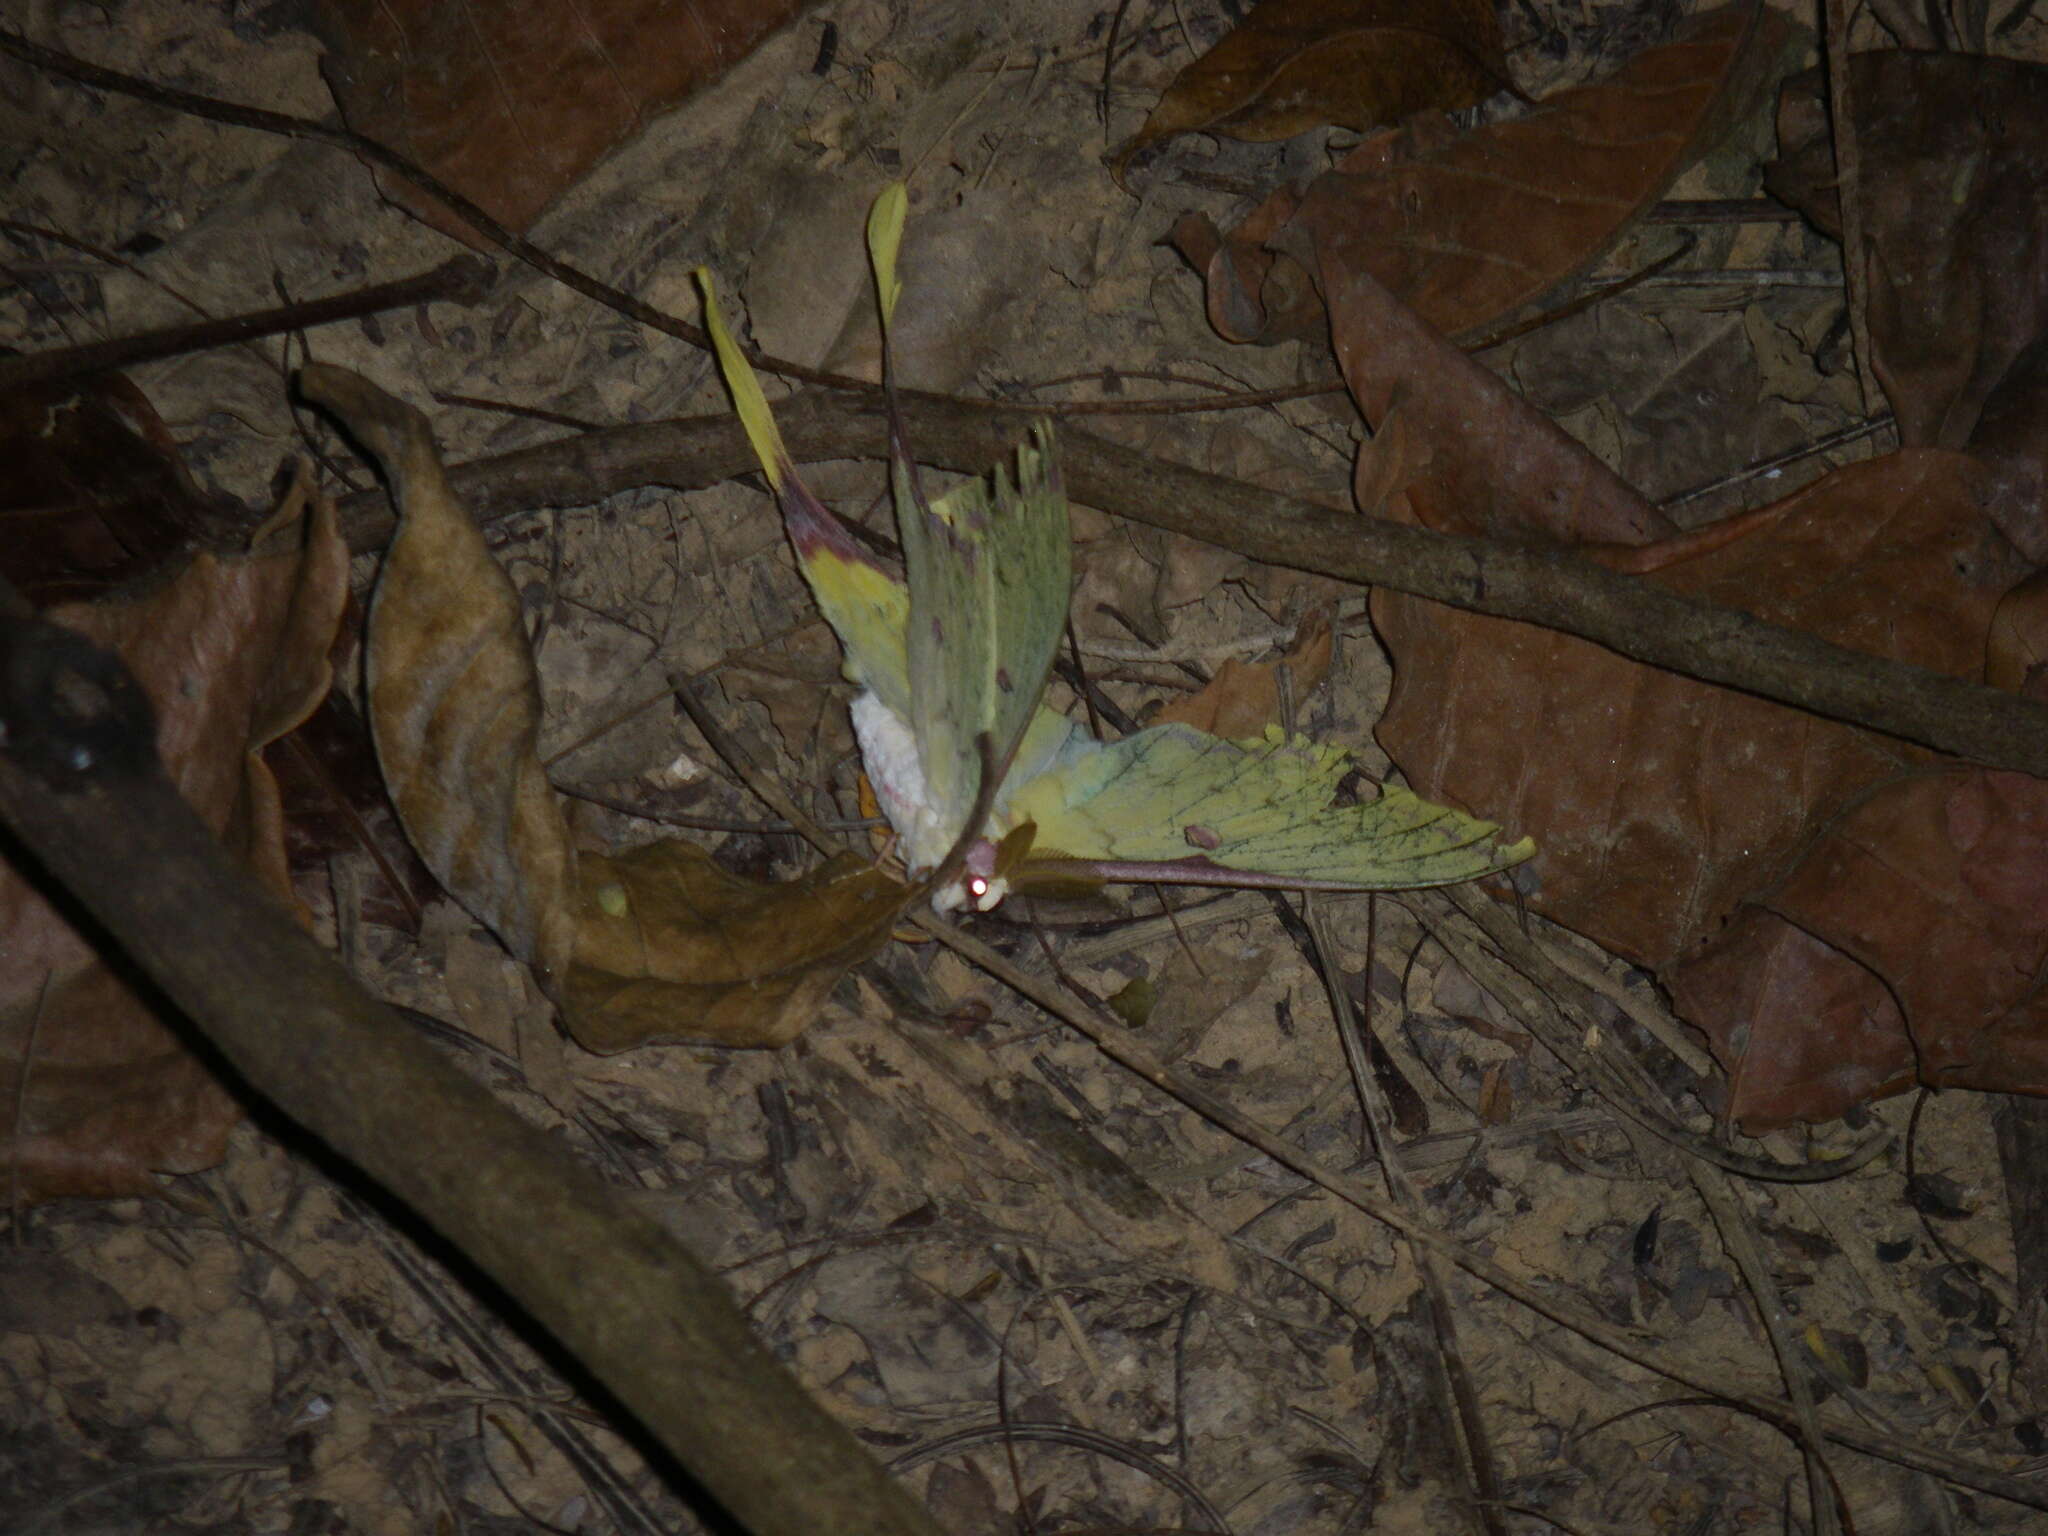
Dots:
(1049, 1295)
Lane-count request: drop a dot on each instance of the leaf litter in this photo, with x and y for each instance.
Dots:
(950, 1216)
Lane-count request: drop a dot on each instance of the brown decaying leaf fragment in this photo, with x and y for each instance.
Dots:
(454, 701)
(232, 654)
(1467, 229)
(1294, 65)
(94, 493)
(672, 947)
(1243, 698)
(509, 105)
(1954, 184)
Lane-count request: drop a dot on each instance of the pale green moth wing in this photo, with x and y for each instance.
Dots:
(862, 599)
(1176, 804)
(989, 565)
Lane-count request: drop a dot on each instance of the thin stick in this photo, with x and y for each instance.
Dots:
(461, 280)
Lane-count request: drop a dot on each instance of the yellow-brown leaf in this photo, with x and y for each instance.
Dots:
(671, 947)
(455, 705)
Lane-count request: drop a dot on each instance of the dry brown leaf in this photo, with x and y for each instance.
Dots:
(1244, 697)
(454, 701)
(1294, 65)
(1466, 230)
(1660, 802)
(509, 105)
(1798, 1025)
(1464, 452)
(1883, 917)
(1954, 182)
(671, 947)
(230, 652)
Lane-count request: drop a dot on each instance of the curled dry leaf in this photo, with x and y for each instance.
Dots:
(672, 947)
(1300, 64)
(666, 945)
(454, 701)
(232, 653)
(1466, 229)
(509, 105)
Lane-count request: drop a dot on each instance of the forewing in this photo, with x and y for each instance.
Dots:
(1176, 804)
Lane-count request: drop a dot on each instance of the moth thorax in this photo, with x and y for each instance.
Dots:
(979, 886)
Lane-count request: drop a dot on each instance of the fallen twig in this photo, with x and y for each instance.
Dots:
(1545, 586)
(459, 280)
(82, 791)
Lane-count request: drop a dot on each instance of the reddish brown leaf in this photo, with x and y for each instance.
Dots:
(231, 653)
(1468, 229)
(1933, 883)
(1954, 179)
(509, 105)
(1470, 455)
(1300, 64)
(1804, 1031)
(1660, 803)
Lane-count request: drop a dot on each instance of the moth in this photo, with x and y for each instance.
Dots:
(988, 788)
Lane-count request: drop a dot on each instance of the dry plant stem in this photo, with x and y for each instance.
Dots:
(1545, 586)
(81, 790)
(461, 280)
(1848, 190)
(1475, 1445)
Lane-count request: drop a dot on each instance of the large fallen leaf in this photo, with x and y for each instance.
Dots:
(509, 105)
(1467, 229)
(658, 944)
(1954, 184)
(454, 701)
(231, 653)
(1294, 65)
(1665, 807)
(1661, 803)
(672, 947)
(1713, 836)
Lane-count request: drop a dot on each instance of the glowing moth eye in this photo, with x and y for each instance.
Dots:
(977, 887)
